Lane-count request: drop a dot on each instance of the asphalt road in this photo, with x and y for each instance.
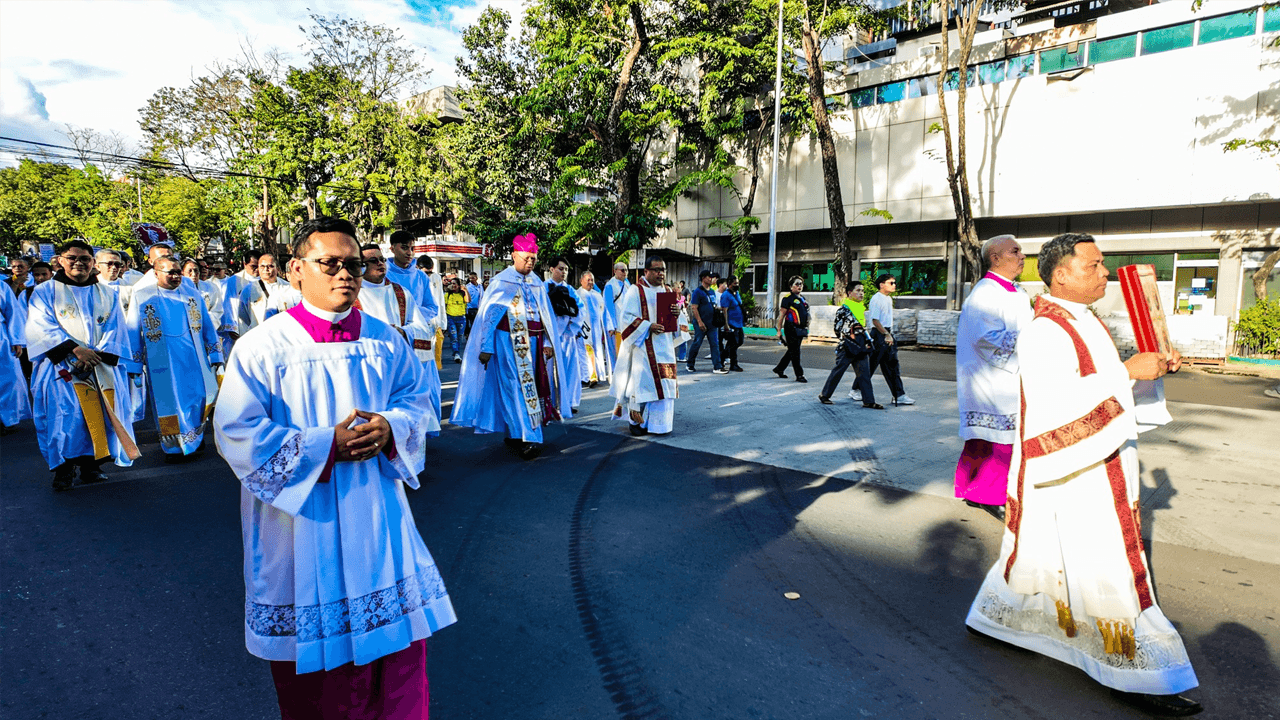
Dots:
(609, 578)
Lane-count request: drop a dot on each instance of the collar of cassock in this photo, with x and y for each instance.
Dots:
(1004, 283)
(324, 326)
(61, 277)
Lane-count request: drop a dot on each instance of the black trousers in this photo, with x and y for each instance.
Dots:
(792, 356)
(732, 339)
(471, 318)
(862, 375)
(885, 357)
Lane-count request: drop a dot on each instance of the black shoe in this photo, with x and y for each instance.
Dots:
(995, 511)
(573, 410)
(780, 374)
(639, 430)
(530, 451)
(801, 379)
(825, 400)
(1162, 705)
(690, 368)
(89, 476)
(513, 443)
(735, 368)
(63, 477)
(873, 406)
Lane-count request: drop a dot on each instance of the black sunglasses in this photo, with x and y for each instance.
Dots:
(330, 266)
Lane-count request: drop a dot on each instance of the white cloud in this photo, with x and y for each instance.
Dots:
(107, 58)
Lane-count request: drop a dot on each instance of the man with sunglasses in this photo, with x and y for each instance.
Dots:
(176, 343)
(323, 417)
(111, 273)
(268, 295)
(394, 305)
(78, 344)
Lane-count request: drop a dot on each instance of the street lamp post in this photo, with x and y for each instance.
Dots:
(771, 288)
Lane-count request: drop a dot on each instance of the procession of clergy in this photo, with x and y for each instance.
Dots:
(333, 377)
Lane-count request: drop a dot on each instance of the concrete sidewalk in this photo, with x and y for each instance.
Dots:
(1209, 477)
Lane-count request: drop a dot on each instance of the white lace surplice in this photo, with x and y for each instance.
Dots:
(335, 572)
(987, 361)
(1072, 550)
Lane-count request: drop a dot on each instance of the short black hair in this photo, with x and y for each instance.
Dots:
(64, 247)
(253, 254)
(884, 278)
(190, 261)
(1055, 251)
(555, 260)
(322, 224)
(426, 263)
(370, 246)
(733, 279)
(649, 261)
(41, 265)
(401, 237)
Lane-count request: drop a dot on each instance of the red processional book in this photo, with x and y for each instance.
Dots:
(666, 318)
(1142, 298)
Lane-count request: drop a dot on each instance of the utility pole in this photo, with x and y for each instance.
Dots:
(139, 199)
(771, 288)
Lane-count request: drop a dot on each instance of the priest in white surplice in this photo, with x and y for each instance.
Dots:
(595, 344)
(613, 292)
(232, 327)
(511, 381)
(566, 322)
(177, 343)
(987, 375)
(644, 378)
(394, 305)
(209, 291)
(268, 295)
(1072, 580)
(14, 405)
(402, 271)
(323, 417)
(79, 347)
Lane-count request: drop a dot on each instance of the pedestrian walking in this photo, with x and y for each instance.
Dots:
(702, 310)
(853, 349)
(793, 328)
(734, 321)
(885, 348)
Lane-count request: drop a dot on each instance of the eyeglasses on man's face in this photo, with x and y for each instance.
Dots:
(170, 273)
(112, 263)
(379, 260)
(78, 259)
(330, 266)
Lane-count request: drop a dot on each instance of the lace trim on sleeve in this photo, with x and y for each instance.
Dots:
(268, 480)
(1006, 343)
(991, 420)
(342, 617)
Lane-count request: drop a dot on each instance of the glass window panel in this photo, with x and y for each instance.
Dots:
(893, 92)
(1060, 58)
(1198, 256)
(915, 277)
(991, 73)
(1029, 270)
(1226, 27)
(1163, 263)
(1165, 39)
(1020, 67)
(1271, 18)
(913, 88)
(1117, 48)
(862, 97)
(818, 277)
(953, 80)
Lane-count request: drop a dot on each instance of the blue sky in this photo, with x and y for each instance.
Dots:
(94, 64)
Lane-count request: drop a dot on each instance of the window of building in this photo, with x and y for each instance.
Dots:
(927, 85)
(926, 278)
(893, 92)
(953, 80)
(1163, 263)
(1020, 66)
(1169, 38)
(862, 97)
(818, 277)
(991, 73)
(1116, 48)
(1226, 27)
(1271, 18)
(1061, 58)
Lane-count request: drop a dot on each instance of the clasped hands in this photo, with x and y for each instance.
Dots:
(363, 441)
(87, 357)
(1153, 365)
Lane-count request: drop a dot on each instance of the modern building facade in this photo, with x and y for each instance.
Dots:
(1080, 119)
